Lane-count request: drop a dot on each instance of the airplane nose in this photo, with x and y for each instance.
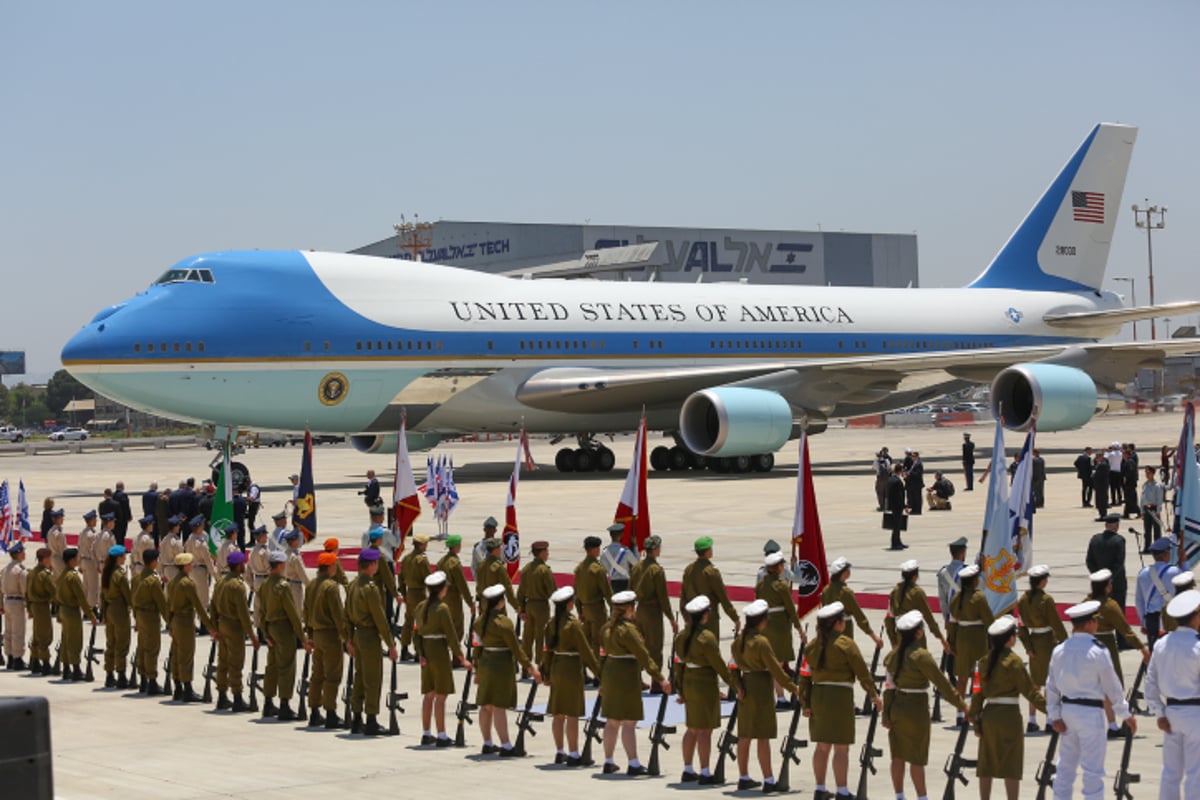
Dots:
(83, 346)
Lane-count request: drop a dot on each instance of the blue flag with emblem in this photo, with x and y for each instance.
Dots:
(304, 517)
(998, 556)
(1187, 491)
(1021, 506)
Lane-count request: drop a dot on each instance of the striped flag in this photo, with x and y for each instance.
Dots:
(633, 510)
(511, 539)
(6, 515)
(1187, 494)
(1088, 206)
(998, 558)
(406, 502)
(808, 545)
(23, 526)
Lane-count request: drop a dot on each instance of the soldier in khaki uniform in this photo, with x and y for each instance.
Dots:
(259, 565)
(39, 594)
(782, 619)
(294, 572)
(228, 545)
(115, 603)
(908, 596)
(702, 578)
(141, 543)
(970, 616)
(73, 606)
(107, 538)
(563, 660)
(370, 631)
(56, 541)
(149, 605)
(325, 624)
(592, 594)
(170, 545)
(436, 643)
(497, 652)
(698, 665)
(625, 658)
(533, 598)
(457, 590)
(385, 576)
(838, 592)
(331, 545)
(494, 571)
(414, 569)
(231, 617)
(649, 582)
(89, 559)
(204, 569)
(184, 605)
(13, 584)
(1041, 631)
(281, 618)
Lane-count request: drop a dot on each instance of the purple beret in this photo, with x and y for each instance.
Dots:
(236, 557)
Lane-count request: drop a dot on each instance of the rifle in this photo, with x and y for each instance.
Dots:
(875, 676)
(91, 656)
(302, 710)
(133, 667)
(465, 707)
(525, 720)
(726, 743)
(467, 633)
(57, 668)
(936, 716)
(866, 758)
(209, 672)
(348, 692)
(955, 763)
(1046, 770)
(167, 670)
(255, 677)
(1124, 776)
(1136, 695)
(789, 746)
(658, 738)
(393, 703)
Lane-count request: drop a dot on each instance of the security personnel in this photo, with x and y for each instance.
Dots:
(1154, 589)
(1081, 682)
(563, 660)
(908, 596)
(494, 571)
(497, 652)
(149, 606)
(370, 631)
(116, 601)
(457, 590)
(89, 559)
(204, 569)
(781, 616)
(970, 616)
(170, 546)
(56, 541)
(1173, 696)
(275, 539)
(648, 581)
(625, 658)
(996, 708)
(1106, 550)
(832, 662)
(908, 670)
(839, 592)
(327, 631)
(278, 612)
(968, 462)
(294, 572)
(698, 665)
(480, 551)
(331, 545)
(1179, 584)
(1040, 632)
(947, 576)
(141, 543)
(533, 597)
(1112, 622)
(435, 640)
(231, 616)
(73, 606)
(702, 578)
(39, 594)
(13, 584)
(592, 594)
(183, 601)
(414, 569)
(758, 671)
(617, 559)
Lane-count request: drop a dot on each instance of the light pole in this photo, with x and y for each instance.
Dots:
(1145, 218)
(1132, 298)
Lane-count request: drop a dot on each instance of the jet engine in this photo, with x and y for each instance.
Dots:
(1060, 398)
(386, 443)
(735, 421)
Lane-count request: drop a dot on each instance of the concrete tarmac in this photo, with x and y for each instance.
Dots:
(110, 744)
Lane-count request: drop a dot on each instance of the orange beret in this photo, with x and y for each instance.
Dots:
(331, 544)
(327, 559)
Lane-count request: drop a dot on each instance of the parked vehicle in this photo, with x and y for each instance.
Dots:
(11, 433)
(69, 435)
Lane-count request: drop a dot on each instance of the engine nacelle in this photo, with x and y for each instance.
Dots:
(1059, 398)
(735, 421)
(386, 443)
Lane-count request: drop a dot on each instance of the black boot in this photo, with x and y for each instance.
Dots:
(239, 705)
(372, 727)
(122, 681)
(405, 655)
(35, 666)
(223, 703)
(286, 714)
(331, 721)
(47, 667)
(315, 719)
(19, 661)
(188, 695)
(269, 709)
(142, 686)
(356, 726)
(76, 674)
(153, 689)
(110, 680)
(177, 694)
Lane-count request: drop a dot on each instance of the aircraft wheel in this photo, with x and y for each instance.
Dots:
(697, 461)
(660, 458)
(740, 463)
(719, 464)
(679, 458)
(564, 460)
(763, 462)
(605, 460)
(584, 460)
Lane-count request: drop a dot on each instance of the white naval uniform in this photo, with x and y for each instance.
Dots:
(275, 540)
(618, 561)
(1081, 669)
(12, 585)
(1174, 674)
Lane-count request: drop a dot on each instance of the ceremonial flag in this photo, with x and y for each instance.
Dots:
(23, 527)
(6, 515)
(406, 504)
(511, 538)
(222, 508)
(808, 546)
(1021, 507)
(633, 510)
(304, 517)
(451, 488)
(998, 560)
(1187, 494)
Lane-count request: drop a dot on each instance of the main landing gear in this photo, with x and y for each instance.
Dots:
(679, 458)
(590, 456)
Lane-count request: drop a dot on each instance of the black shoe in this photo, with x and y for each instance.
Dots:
(16, 663)
(332, 721)
(711, 780)
(269, 709)
(372, 727)
(286, 714)
(509, 752)
(443, 741)
(238, 706)
(47, 668)
(610, 769)
(110, 680)
(1048, 729)
(33, 666)
(405, 655)
(356, 724)
(1119, 733)
(772, 787)
(560, 758)
(783, 704)
(689, 777)
(202, 631)
(153, 689)
(223, 703)
(636, 772)
(1032, 727)
(819, 795)
(189, 696)
(427, 740)
(747, 783)
(76, 674)
(122, 681)
(142, 686)
(489, 750)
(574, 761)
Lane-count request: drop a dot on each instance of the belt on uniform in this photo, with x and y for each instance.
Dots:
(1002, 701)
(15, 597)
(690, 665)
(1113, 634)
(290, 580)
(622, 655)
(924, 692)
(1090, 702)
(776, 610)
(1046, 629)
(969, 623)
(432, 636)
(496, 650)
(846, 685)
(564, 653)
(1183, 701)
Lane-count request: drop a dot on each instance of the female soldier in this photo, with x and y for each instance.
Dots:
(621, 682)
(496, 646)
(115, 601)
(1041, 630)
(698, 662)
(758, 671)
(996, 710)
(566, 653)
(1112, 622)
(908, 596)
(970, 615)
(910, 668)
(777, 593)
(434, 640)
(827, 694)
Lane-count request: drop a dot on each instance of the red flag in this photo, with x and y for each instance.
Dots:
(511, 538)
(406, 503)
(808, 548)
(634, 510)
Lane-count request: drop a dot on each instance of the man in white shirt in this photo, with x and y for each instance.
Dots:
(1173, 696)
(1154, 589)
(617, 559)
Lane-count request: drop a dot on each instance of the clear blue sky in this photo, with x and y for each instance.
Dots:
(135, 134)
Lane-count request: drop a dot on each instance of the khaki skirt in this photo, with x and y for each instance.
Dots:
(1039, 662)
(437, 674)
(702, 696)
(756, 709)
(779, 634)
(621, 689)
(908, 738)
(1109, 640)
(832, 720)
(1001, 742)
(497, 679)
(566, 685)
(970, 646)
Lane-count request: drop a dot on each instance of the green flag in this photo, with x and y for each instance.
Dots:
(222, 508)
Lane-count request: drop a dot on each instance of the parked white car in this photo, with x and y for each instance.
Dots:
(69, 435)
(11, 433)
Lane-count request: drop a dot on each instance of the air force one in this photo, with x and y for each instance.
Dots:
(346, 344)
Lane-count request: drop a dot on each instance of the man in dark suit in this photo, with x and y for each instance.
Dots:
(180, 500)
(240, 512)
(149, 500)
(914, 484)
(109, 506)
(370, 492)
(1038, 478)
(124, 514)
(1100, 473)
(896, 501)
(1106, 550)
(1083, 471)
(968, 462)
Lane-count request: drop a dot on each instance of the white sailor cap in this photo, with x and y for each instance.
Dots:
(831, 610)
(1100, 575)
(912, 565)
(1003, 625)
(277, 557)
(1184, 579)
(1039, 571)
(1184, 604)
(698, 605)
(1084, 610)
(494, 591)
(838, 564)
(756, 609)
(910, 621)
(969, 571)
(435, 579)
(562, 595)
(773, 559)
(624, 598)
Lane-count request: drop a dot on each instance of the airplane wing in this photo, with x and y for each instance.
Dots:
(828, 384)
(1085, 319)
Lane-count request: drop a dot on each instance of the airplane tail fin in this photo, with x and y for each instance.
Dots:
(1062, 244)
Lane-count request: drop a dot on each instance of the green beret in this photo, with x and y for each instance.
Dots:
(771, 546)
(453, 540)
(703, 543)
(491, 543)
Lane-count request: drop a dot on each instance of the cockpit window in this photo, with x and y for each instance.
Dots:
(172, 276)
(185, 276)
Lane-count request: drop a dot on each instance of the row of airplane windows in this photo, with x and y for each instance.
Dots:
(168, 347)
